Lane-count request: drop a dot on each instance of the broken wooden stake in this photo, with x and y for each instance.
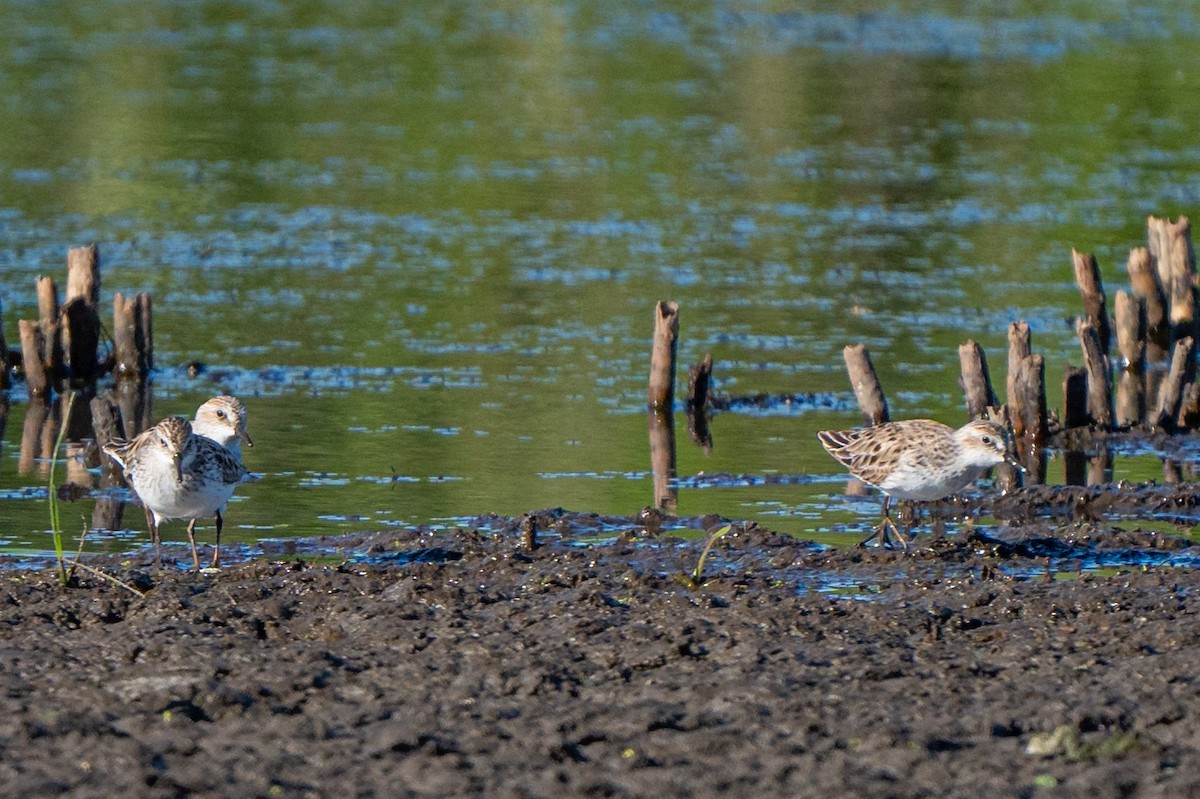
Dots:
(662, 355)
(106, 421)
(83, 342)
(50, 321)
(127, 363)
(865, 383)
(1143, 279)
(1181, 373)
(1189, 408)
(1075, 398)
(1087, 276)
(32, 346)
(976, 381)
(1027, 403)
(1131, 399)
(83, 274)
(1019, 348)
(1099, 378)
(1130, 313)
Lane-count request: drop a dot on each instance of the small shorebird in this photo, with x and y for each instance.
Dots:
(223, 419)
(179, 475)
(919, 459)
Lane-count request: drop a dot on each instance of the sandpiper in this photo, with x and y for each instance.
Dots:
(223, 419)
(918, 459)
(179, 475)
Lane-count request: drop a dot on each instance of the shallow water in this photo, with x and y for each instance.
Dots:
(424, 244)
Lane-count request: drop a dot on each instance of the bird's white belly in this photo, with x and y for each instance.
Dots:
(170, 499)
(926, 484)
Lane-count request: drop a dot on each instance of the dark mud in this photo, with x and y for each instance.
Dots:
(460, 664)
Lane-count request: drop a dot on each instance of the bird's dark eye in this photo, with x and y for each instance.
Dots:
(986, 439)
(220, 414)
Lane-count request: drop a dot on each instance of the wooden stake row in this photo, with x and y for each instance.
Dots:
(62, 348)
(1155, 320)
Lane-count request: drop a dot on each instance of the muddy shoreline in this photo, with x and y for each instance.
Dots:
(460, 664)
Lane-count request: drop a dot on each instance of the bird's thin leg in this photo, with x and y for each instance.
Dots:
(903, 538)
(881, 530)
(192, 541)
(216, 560)
(154, 538)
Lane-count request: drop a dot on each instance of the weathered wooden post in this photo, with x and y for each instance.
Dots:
(1099, 378)
(51, 326)
(1143, 278)
(80, 316)
(1019, 348)
(106, 422)
(1029, 410)
(83, 273)
(1130, 312)
(32, 347)
(865, 383)
(127, 363)
(1183, 371)
(1189, 408)
(976, 380)
(1131, 399)
(1087, 276)
(662, 355)
(1131, 339)
(661, 417)
(83, 342)
(1182, 268)
(1075, 397)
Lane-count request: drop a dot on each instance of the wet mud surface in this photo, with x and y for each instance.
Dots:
(462, 664)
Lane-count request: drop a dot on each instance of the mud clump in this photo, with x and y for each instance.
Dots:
(483, 669)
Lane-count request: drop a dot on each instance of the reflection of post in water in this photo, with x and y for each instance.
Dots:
(134, 399)
(31, 433)
(1075, 464)
(1100, 466)
(106, 424)
(699, 385)
(38, 435)
(662, 458)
